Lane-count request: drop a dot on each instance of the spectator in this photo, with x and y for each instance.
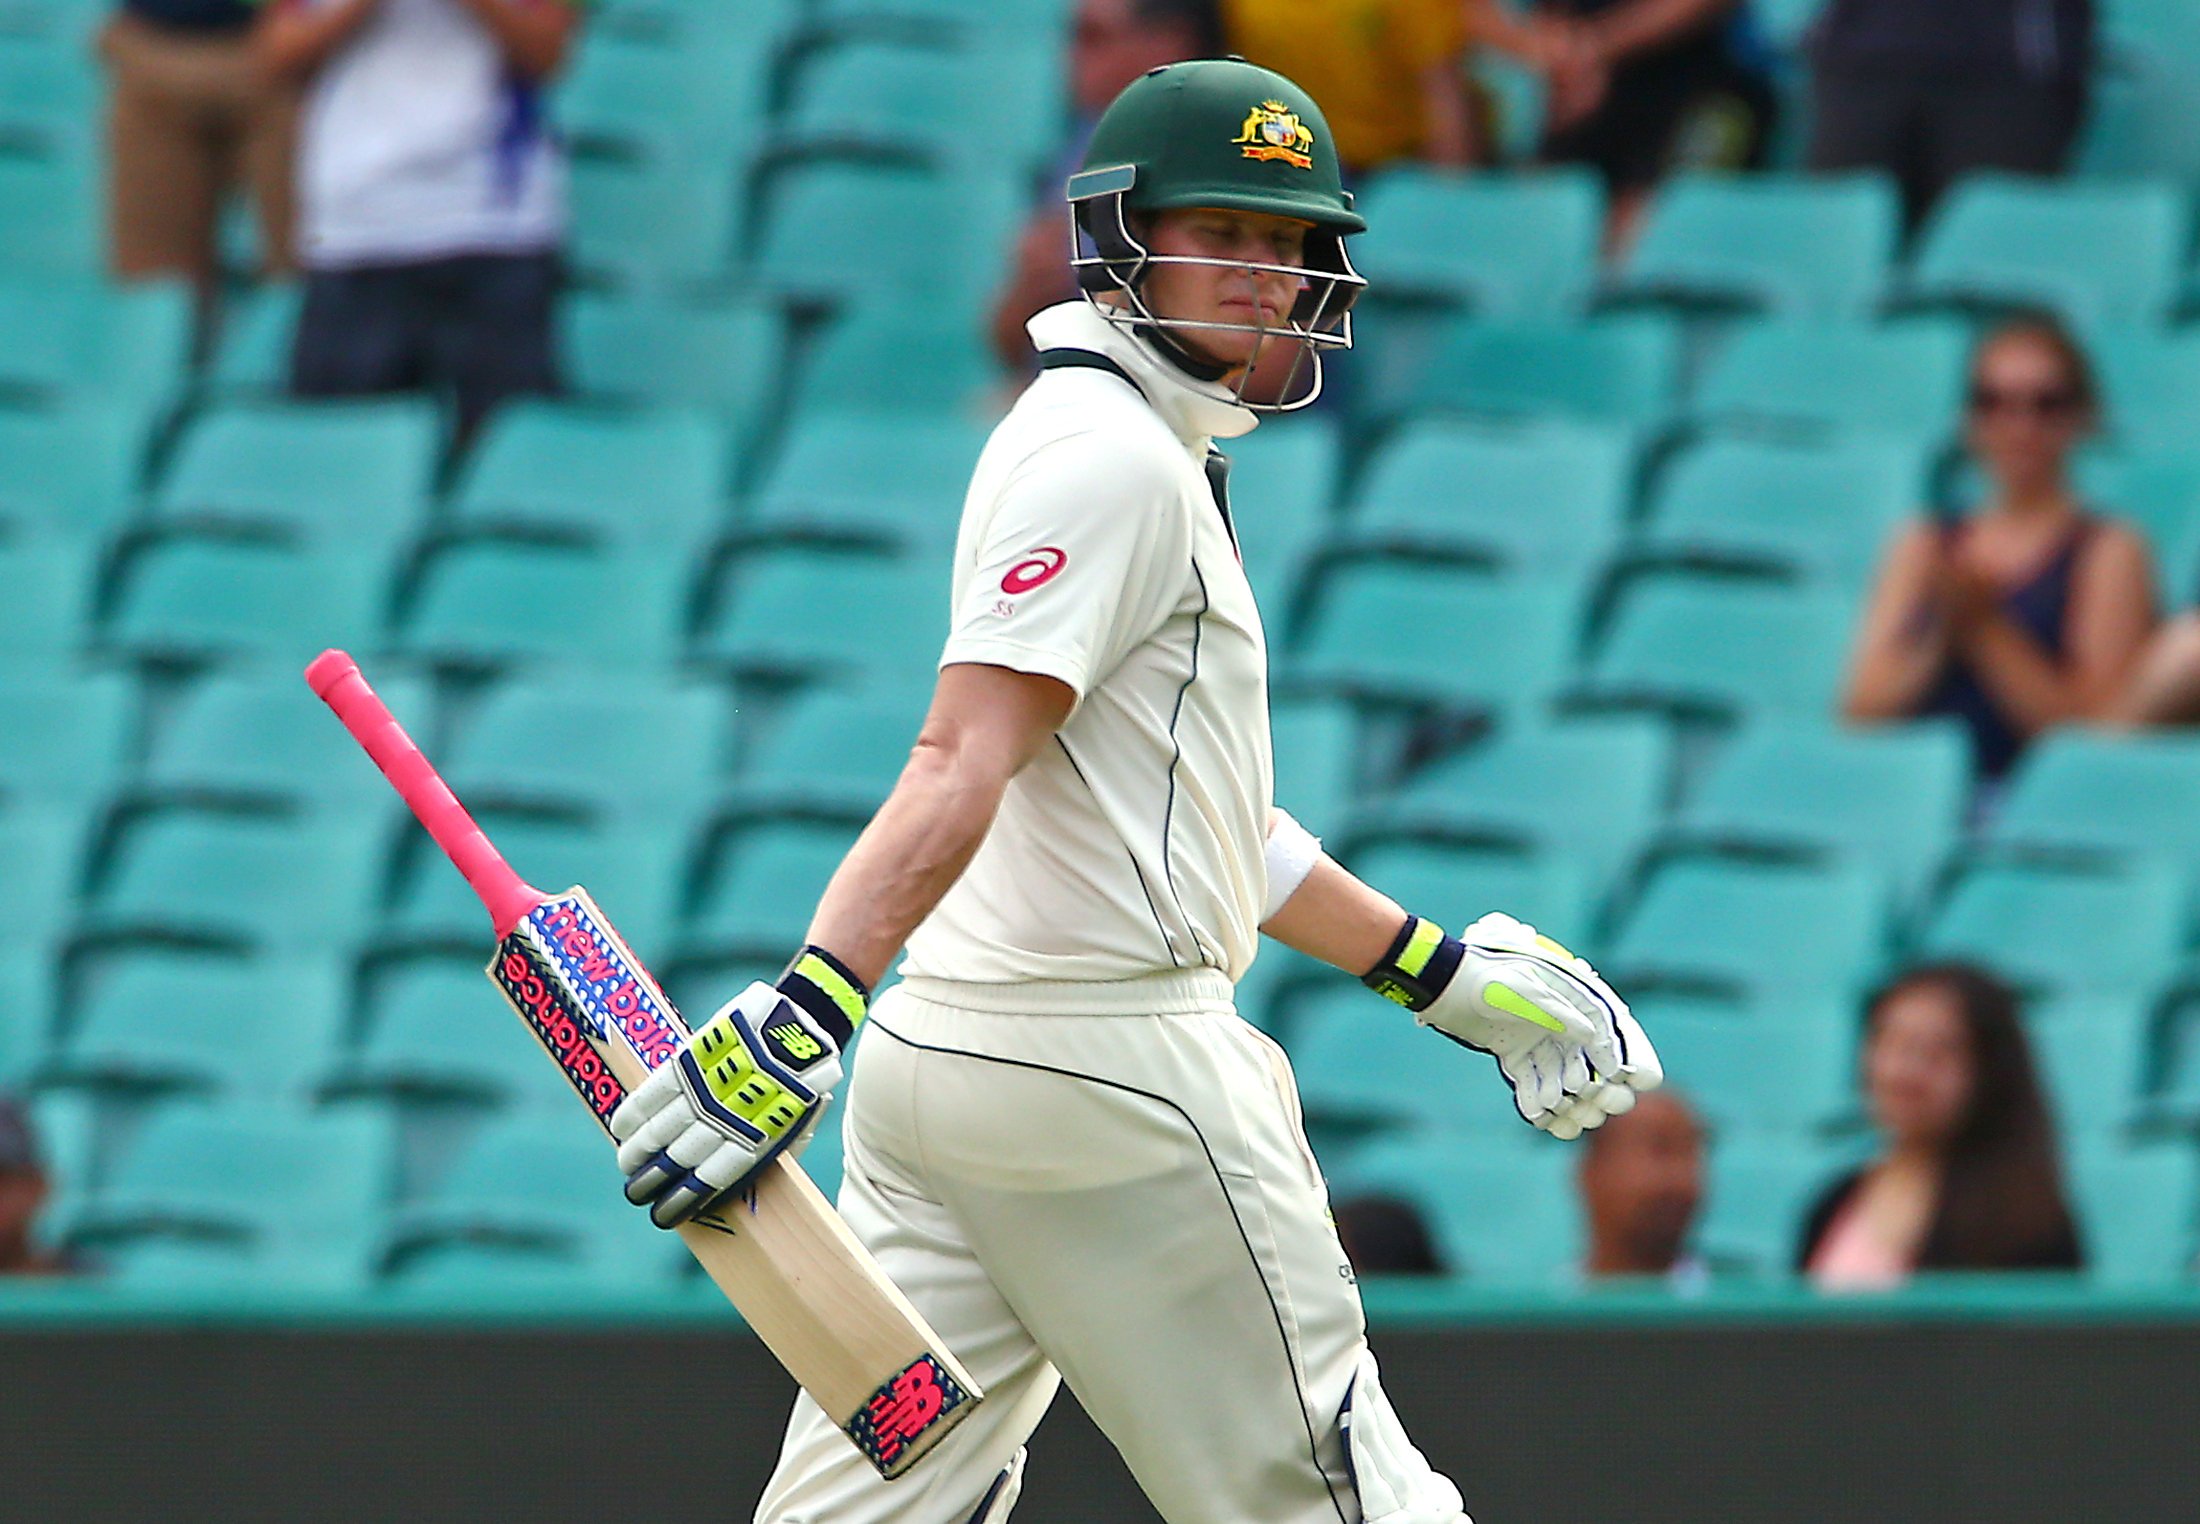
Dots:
(1640, 89)
(190, 118)
(1113, 42)
(1967, 1179)
(2165, 688)
(1641, 1182)
(431, 194)
(2031, 611)
(23, 1190)
(1933, 91)
(1385, 1236)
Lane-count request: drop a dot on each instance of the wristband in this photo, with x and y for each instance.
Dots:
(832, 996)
(1418, 966)
(1291, 853)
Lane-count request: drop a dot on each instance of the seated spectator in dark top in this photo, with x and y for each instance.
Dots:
(1640, 89)
(2030, 611)
(1968, 1178)
(1641, 1177)
(1385, 1236)
(1112, 43)
(1930, 90)
(23, 1190)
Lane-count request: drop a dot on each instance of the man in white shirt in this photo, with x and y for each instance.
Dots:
(1064, 1144)
(431, 195)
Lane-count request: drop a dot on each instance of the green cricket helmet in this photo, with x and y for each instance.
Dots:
(1216, 132)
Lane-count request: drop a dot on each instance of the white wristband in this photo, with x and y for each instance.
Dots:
(1291, 854)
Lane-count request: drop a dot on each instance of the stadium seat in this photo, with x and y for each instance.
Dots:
(2096, 253)
(435, 1028)
(250, 882)
(1513, 247)
(834, 756)
(882, 480)
(50, 219)
(1620, 370)
(630, 863)
(2139, 112)
(2150, 385)
(42, 855)
(1320, 758)
(1283, 477)
(612, 477)
(253, 1030)
(82, 338)
(66, 473)
(1268, 993)
(1747, 932)
(818, 237)
(656, 227)
(1818, 512)
(242, 1197)
(1541, 496)
(1398, 633)
(797, 614)
(1354, 1060)
(252, 347)
(1891, 798)
(2135, 1211)
(2158, 492)
(203, 597)
(2091, 1054)
(1759, 1192)
(1510, 1217)
(340, 473)
(591, 747)
(942, 21)
(241, 739)
(1706, 647)
(875, 97)
(757, 887)
(1904, 379)
(1589, 788)
(49, 96)
(725, 358)
(1719, 1057)
(2057, 931)
(867, 361)
(2103, 792)
(1549, 889)
(487, 602)
(70, 736)
(1802, 248)
(47, 613)
(626, 98)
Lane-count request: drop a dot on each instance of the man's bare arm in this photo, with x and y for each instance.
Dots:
(985, 726)
(291, 39)
(1338, 919)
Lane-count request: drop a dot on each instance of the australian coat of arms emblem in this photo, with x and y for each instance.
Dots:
(1274, 131)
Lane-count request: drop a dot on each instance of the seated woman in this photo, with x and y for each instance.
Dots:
(1967, 1179)
(2030, 611)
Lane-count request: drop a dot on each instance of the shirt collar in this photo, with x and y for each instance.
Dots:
(1196, 411)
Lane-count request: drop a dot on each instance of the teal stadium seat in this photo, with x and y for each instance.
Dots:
(1905, 378)
(340, 473)
(67, 472)
(211, 1195)
(241, 739)
(1320, 760)
(2157, 490)
(1267, 993)
(943, 20)
(78, 337)
(2092, 1055)
(765, 25)
(872, 479)
(70, 736)
(2139, 115)
(833, 756)
(1815, 512)
(874, 97)
(758, 886)
(1403, 634)
(628, 98)
(2096, 253)
(2056, 931)
(1589, 788)
(47, 615)
(592, 747)
(50, 220)
(1720, 1057)
(42, 855)
(1719, 649)
(251, 355)
(2103, 793)
(1891, 798)
(1364, 1068)
(725, 358)
(2150, 384)
(658, 227)
(1548, 889)
(888, 358)
(2170, 1068)
(488, 603)
(1748, 933)
(49, 95)
(245, 882)
(1507, 1218)
(818, 237)
(1511, 247)
(1621, 370)
(196, 598)
(797, 614)
(1759, 1191)
(2135, 1211)
(435, 1029)
(1283, 478)
(1544, 496)
(254, 1030)
(613, 477)
(1820, 247)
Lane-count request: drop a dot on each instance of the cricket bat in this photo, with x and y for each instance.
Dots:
(779, 1252)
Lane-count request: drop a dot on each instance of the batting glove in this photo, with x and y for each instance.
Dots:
(1566, 1044)
(744, 1087)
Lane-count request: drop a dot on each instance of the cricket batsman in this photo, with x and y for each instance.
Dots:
(1064, 1144)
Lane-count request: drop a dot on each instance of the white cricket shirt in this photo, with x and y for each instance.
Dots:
(1092, 550)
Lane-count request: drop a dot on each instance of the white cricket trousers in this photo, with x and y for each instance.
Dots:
(1126, 1202)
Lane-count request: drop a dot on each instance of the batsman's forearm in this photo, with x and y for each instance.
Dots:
(905, 861)
(1335, 917)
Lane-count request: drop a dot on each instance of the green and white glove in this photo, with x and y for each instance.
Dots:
(1566, 1044)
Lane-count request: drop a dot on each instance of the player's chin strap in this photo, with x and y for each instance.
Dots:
(828, 992)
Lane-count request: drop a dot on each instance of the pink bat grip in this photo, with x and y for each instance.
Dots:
(335, 677)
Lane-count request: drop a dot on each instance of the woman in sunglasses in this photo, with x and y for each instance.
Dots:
(2030, 611)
